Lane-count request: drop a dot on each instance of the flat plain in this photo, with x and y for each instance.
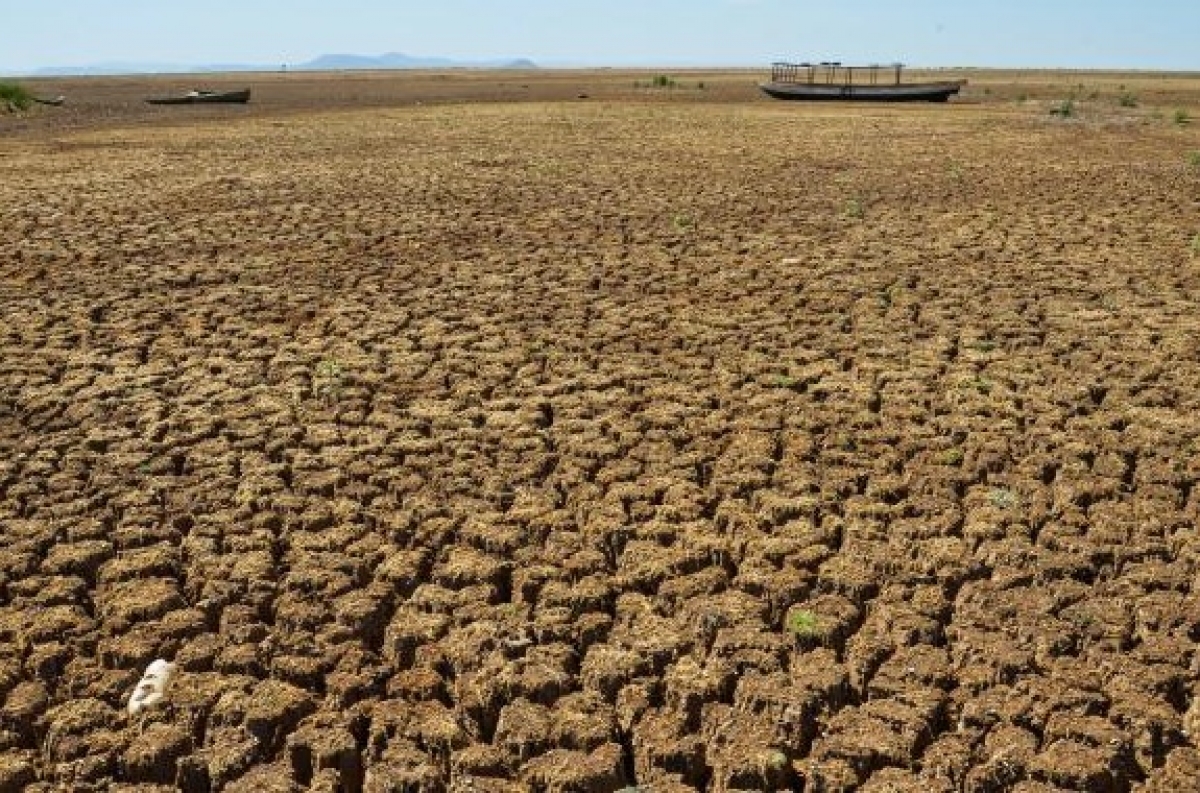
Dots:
(564, 432)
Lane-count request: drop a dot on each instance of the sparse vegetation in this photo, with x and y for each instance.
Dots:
(1127, 99)
(855, 208)
(1182, 117)
(666, 81)
(1064, 109)
(1194, 160)
(15, 96)
(980, 384)
(951, 456)
(1003, 498)
(327, 380)
(801, 623)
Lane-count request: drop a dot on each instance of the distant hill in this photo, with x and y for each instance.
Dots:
(332, 62)
(398, 60)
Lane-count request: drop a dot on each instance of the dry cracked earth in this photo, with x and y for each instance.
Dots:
(663, 441)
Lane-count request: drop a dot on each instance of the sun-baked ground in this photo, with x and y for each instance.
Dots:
(548, 432)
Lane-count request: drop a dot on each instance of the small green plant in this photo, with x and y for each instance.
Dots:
(1064, 109)
(663, 81)
(1182, 117)
(855, 208)
(1194, 160)
(783, 381)
(328, 380)
(700, 86)
(1196, 245)
(1022, 97)
(774, 761)
(802, 623)
(952, 456)
(15, 96)
(1003, 498)
(977, 383)
(682, 221)
(1127, 99)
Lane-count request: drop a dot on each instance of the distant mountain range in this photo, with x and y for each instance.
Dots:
(334, 62)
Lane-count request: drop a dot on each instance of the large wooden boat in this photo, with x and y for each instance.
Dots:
(833, 81)
(198, 97)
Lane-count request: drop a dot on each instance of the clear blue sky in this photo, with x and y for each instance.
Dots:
(1147, 34)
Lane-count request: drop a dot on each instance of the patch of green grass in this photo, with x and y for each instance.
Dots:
(952, 456)
(1182, 117)
(15, 96)
(1196, 245)
(683, 221)
(801, 623)
(328, 379)
(980, 384)
(663, 81)
(1127, 99)
(1003, 498)
(775, 760)
(855, 208)
(1064, 109)
(1194, 159)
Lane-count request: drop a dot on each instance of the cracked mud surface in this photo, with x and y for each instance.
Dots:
(569, 446)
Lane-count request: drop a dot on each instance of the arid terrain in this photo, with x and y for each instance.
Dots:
(556, 432)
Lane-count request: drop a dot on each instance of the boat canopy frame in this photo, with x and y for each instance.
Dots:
(832, 73)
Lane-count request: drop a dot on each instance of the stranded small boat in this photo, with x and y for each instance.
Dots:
(200, 97)
(826, 81)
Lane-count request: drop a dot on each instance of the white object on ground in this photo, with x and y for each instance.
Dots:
(152, 688)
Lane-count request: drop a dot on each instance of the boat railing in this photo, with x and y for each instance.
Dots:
(833, 73)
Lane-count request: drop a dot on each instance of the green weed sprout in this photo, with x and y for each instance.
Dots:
(801, 623)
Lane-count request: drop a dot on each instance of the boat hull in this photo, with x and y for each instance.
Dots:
(203, 98)
(904, 92)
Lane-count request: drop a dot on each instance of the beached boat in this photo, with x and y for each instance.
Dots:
(200, 97)
(830, 81)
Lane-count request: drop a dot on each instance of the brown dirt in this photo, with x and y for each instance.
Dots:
(451, 432)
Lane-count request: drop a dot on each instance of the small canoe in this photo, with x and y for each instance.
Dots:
(203, 97)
